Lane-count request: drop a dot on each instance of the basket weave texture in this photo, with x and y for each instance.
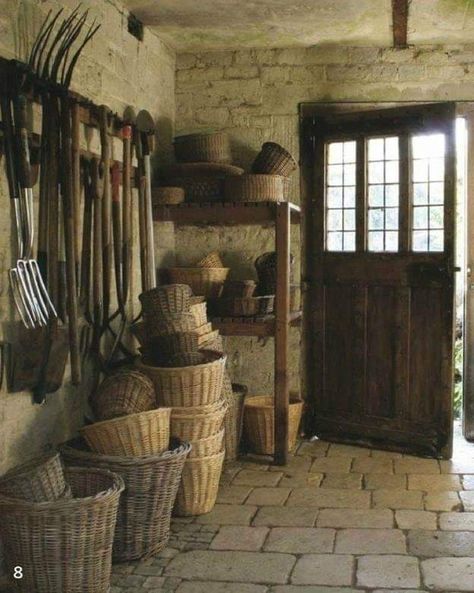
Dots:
(199, 422)
(273, 159)
(212, 260)
(171, 298)
(39, 480)
(199, 310)
(203, 281)
(254, 188)
(266, 267)
(65, 545)
(167, 195)
(208, 446)
(171, 323)
(147, 433)
(124, 392)
(233, 421)
(197, 384)
(259, 418)
(211, 148)
(151, 484)
(199, 485)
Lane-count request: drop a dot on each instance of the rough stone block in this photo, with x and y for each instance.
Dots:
(323, 569)
(239, 538)
(446, 574)
(285, 517)
(415, 520)
(228, 514)
(388, 571)
(300, 540)
(329, 498)
(354, 518)
(370, 541)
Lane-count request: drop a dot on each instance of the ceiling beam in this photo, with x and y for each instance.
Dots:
(400, 23)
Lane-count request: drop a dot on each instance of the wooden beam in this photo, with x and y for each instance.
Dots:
(400, 23)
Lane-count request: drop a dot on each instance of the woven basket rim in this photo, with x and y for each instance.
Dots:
(180, 137)
(280, 148)
(124, 419)
(32, 466)
(223, 407)
(198, 269)
(219, 357)
(252, 403)
(217, 435)
(206, 458)
(64, 504)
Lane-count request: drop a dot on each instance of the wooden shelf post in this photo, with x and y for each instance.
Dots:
(282, 325)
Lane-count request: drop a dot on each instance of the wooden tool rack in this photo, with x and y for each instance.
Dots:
(281, 215)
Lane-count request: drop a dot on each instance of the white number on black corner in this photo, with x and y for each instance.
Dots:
(18, 572)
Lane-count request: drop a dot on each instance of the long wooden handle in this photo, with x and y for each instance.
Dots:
(127, 225)
(117, 233)
(106, 212)
(86, 241)
(97, 284)
(76, 179)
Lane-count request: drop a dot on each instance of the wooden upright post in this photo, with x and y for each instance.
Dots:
(282, 324)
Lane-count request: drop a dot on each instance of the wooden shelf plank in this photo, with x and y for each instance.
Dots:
(260, 327)
(222, 213)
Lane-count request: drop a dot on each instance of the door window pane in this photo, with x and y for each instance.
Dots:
(383, 193)
(428, 192)
(340, 196)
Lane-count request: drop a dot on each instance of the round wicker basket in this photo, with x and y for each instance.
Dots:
(147, 433)
(64, 545)
(167, 195)
(167, 299)
(212, 260)
(171, 323)
(254, 188)
(194, 423)
(208, 446)
(233, 421)
(207, 148)
(203, 281)
(199, 310)
(273, 159)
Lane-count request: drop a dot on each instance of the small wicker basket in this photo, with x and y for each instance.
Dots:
(204, 281)
(259, 415)
(38, 480)
(233, 422)
(64, 545)
(167, 195)
(124, 392)
(162, 300)
(147, 433)
(192, 424)
(208, 446)
(245, 306)
(273, 159)
(212, 260)
(199, 485)
(206, 148)
(254, 188)
(171, 323)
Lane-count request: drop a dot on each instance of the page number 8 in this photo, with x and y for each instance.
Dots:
(18, 572)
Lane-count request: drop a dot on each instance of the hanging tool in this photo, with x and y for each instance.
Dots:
(127, 223)
(97, 285)
(106, 214)
(76, 180)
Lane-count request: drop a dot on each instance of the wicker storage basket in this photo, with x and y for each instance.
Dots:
(246, 306)
(254, 188)
(151, 484)
(202, 182)
(235, 397)
(167, 195)
(238, 288)
(171, 323)
(204, 330)
(211, 341)
(162, 300)
(147, 433)
(295, 297)
(197, 384)
(138, 329)
(259, 413)
(208, 446)
(206, 148)
(266, 266)
(194, 423)
(197, 492)
(199, 310)
(124, 392)
(204, 281)
(38, 480)
(273, 159)
(65, 545)
(212, 260)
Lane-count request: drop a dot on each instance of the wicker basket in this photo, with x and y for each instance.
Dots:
(147, 433)
(208, 446)
(199, 310)
(212, 260)
(138, 329)
(238, 288)
(254, 188)
(124, 392)
(194, 423)
(199, 485)
(259, 412)
(151, 484)
(273, 159)
(202, 170)
(266, 266)
(65, 545)
(204, 281)
(202, 182)
(206, 148)
(171, 323)
(197, 384)
(246, 306)
(162, 300)
(295, 297)
(211, 341)
(38, 480)
(167, 195)
(233, 420)
(204, 330)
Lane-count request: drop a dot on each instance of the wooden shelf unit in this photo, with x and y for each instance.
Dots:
(281, 215)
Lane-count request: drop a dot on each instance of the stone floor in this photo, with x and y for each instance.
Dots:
(337, 519)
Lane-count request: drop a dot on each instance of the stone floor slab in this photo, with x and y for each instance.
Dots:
(285, 517)
(341, 450)
(434, 483)
(239, 538)
(312, 589)
(233, 494)
(430, 544)
(416, 465)
(370, 541)
(373, 465)
(250, 477)
(416, 520)
(329, 498)
(448, 574)
(228, 514)
(300, 540)
(350, 481)
(385, 481)
(443, 501)
(300, 480)
(468, 482)
(323, 569)
(210, 587)
(456, 521)
(397, 499)
(461, 465)
(268, 496)
(467, 499)
(370, 519)
(388, 571)
(314, 448)
(245, 567)
(324, 465)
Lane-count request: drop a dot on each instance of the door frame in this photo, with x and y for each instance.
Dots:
(308, 179)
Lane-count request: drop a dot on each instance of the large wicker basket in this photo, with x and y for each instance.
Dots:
(171, 298)
(147, 433)
(194, 423)
(205, 147)
(208, 446)
(65, 545)
(233, 420)
(201, 182)
(273, 159)
(151, 484)
(197, 384)
(38, 480)
(167, 195)
(199, 310)
(254, 188)
(199, 485)
(124, 392)
(171, 323)
(211, 260)
(204, 281)
(266, 267)
(259, 417)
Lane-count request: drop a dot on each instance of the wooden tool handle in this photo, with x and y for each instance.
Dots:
(126, 209)
(23, 149)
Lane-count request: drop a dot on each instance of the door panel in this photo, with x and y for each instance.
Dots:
(380, 269)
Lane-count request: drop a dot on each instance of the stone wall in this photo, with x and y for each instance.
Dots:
(117, 70)
(254, 96)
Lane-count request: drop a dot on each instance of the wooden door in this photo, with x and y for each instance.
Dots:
(380, 268)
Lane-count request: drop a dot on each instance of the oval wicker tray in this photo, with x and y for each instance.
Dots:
(211, 147)
(254, 188)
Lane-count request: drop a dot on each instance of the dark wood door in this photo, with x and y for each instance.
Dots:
(380, 267)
